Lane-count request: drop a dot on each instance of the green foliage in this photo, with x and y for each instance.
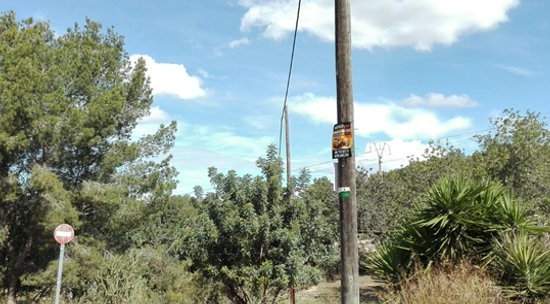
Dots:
(523, 263)
(517, 154)
(141, 276)
(68, 107)
(257, 241)
(457, 219)
(463, 217)
(318, 221)
(390, 262)
(386, 200)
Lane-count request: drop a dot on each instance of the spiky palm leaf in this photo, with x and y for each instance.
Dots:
(388, 263)
(457, 215)
(524, 263)
(458, 219)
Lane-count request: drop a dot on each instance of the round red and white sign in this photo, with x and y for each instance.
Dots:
(63, 234)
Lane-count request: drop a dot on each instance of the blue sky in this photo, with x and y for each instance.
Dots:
(423, 69)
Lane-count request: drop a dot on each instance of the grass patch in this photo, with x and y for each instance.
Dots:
(461, 284)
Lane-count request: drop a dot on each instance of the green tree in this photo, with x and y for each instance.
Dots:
(68, 106)
(517, 154)
(142, 276)
(257, 242)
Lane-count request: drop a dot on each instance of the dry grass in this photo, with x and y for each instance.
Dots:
(462, 284)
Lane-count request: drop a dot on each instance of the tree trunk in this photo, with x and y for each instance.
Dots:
(14, 273)
(12, 294)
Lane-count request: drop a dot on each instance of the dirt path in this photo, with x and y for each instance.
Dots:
(329, 292)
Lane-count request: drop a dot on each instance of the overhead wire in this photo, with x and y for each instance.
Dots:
(373, 160)
(284, 110)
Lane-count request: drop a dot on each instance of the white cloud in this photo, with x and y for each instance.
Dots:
(516, 70)
(156, 115)
(203, 73)
(238, 43)
(150, 124)
(206, 146)
(199, 147)
(436, 100)
(259, 122)
(171, 79)
(381, 118)
(225, 141)
(382, 23)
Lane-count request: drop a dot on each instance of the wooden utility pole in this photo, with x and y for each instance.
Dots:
(346, 172)
(289, 185)
(287, 150)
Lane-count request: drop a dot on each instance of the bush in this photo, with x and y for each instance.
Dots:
(461, 218)
(462, 284)
(143, 276)
(524, 264)
(388, 263)
(458, 219)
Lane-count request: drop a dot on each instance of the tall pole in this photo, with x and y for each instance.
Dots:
(289, 186)
(346, 173)
(380, 154)
(380, 149)
(287, 150)
(59, 273)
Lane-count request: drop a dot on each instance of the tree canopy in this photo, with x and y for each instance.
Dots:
(255, 241)
(68, 105)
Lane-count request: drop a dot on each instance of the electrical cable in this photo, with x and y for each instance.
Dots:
(289, 75)
(364, 159)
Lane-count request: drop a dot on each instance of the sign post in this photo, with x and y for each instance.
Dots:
(63, 234)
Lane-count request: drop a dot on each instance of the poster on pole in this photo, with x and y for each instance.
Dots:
(342, 141)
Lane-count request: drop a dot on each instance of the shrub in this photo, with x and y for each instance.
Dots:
(461, 218)
(458, 219)
(388, 263)
(524, 264)
(462, 284)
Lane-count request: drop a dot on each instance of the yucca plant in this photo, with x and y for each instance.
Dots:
(397, 257)
(511, 216)
(524, 264)
(458, 219)
(389, 263)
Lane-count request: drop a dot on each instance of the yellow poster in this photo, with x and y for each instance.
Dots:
(342, 141)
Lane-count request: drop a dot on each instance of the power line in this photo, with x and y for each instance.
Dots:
(363, 159)
(284, 117)
(284, 110)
